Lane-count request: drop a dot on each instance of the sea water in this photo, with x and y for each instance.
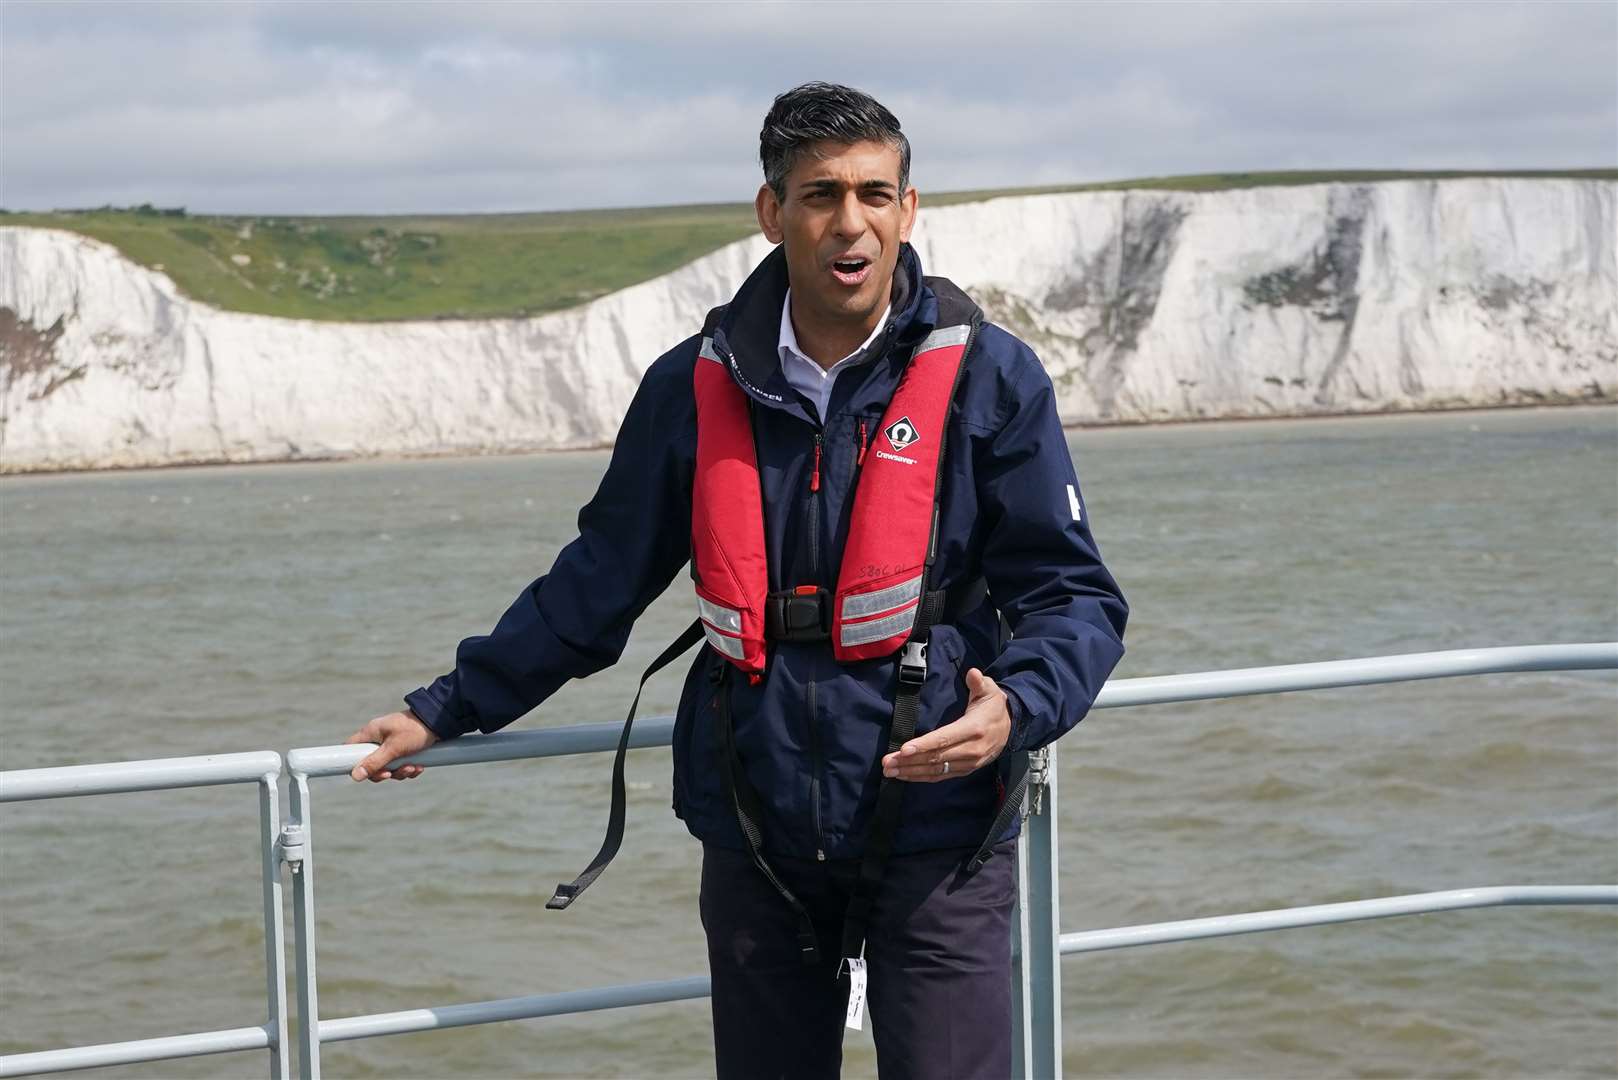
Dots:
(194, 611)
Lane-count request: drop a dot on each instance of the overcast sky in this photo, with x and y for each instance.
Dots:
(313, 108)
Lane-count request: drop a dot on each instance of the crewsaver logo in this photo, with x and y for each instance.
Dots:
(902, 434)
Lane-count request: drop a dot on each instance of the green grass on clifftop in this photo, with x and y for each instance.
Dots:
(374, 268)
(495, 265)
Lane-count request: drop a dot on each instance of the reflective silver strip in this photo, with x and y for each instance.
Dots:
(722, 617)
(707, 351)
(860, 633)
(857, 607)
(731, 647)
(944, 337)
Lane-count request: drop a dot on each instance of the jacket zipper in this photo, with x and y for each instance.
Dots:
(814, 771)
(814, 511)
(809, 688)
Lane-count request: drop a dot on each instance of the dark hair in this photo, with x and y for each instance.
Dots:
(824, 112)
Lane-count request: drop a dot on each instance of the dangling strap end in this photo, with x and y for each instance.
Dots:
(566, 894)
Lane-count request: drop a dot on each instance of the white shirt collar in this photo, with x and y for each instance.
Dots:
(789, 350)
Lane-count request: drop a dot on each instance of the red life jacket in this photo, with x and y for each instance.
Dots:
(890, 535)
(882, 602)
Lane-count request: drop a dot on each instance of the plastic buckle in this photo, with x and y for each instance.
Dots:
(913, 663)
(800, 614)
(807, 611)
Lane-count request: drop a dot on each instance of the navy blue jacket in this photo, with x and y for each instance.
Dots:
(811, 733)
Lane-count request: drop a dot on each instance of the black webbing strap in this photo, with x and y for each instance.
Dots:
(885, 820)
(1008, 811)
(749, 813)
(964, 599)
(566, 894)
(907, 701)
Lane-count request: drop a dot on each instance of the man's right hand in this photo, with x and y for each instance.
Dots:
(400, 734)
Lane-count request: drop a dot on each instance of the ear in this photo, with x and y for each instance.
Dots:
(768, 208)
(907, 212)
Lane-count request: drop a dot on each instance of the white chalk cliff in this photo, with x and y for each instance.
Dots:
(1143, 305)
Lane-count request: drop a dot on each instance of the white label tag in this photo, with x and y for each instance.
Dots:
(1073, 504)
(856, 994)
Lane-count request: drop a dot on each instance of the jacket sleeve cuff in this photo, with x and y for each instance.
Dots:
(1019, 721)
(435, 707)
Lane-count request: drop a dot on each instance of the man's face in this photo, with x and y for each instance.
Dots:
(841, 223)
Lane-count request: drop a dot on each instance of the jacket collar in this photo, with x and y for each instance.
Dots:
(749, 332)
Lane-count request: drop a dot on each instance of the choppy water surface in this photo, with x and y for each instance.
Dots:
(196, 611)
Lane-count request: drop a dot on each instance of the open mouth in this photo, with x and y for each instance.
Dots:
(851, 271)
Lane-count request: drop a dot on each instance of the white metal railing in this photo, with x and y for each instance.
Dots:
(1038, 943)
(1123, 937)
(261, 767)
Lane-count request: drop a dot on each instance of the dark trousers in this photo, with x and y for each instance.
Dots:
(938, 956)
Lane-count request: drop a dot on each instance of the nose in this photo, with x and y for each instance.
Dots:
(849, 223)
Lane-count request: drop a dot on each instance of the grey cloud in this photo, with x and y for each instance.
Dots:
(348, 107)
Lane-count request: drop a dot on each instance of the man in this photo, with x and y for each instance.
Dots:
(872, 485)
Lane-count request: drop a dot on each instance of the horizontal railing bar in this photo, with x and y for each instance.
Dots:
(1123, 937)
(1405, 667)
(317, 761)
(257, 766)
(517, 1008)
(129, 1053)
(158, 774)
(337, 760)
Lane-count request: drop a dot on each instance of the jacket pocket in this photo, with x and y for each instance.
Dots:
(698, 784)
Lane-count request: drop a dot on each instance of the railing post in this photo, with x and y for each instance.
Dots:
(269, 831)
(1021, 986)
(1036, 957)
(297, 851)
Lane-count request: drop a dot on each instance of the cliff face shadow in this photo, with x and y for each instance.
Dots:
(1326, 284)
(26, 350)
(1100, 311)
(1130, 275)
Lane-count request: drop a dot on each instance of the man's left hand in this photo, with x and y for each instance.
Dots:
(961, 747)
